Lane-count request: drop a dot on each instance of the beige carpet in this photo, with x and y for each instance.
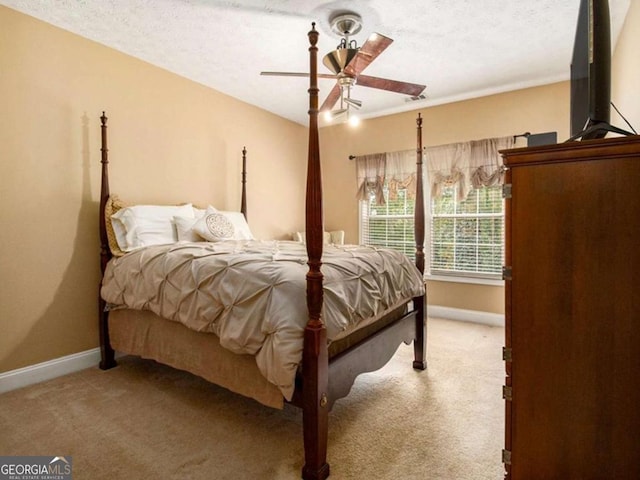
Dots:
(144, 421)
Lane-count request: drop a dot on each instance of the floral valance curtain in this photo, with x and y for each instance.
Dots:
(397, 169)
(468, 165)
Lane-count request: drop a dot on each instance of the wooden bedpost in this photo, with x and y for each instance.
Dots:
(419, 344)
(107, 354)
(243, 201)
(315, 362)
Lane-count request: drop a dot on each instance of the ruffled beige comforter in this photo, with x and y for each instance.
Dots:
(252, 295)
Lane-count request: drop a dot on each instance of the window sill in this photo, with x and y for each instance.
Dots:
(460, 279)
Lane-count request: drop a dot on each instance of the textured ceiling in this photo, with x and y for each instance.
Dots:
(458, 48)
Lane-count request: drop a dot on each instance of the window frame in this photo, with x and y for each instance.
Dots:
(478, 277)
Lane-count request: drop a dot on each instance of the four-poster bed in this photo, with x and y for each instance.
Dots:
(328, 363)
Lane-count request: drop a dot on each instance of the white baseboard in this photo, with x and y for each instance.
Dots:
(475, 316)
(40, 372)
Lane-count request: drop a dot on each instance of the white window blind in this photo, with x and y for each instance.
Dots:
(389, 225)
(467, 236)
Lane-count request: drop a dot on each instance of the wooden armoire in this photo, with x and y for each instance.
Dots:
(572, 286)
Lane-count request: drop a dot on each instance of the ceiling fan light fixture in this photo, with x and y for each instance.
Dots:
(331, 115)
(353, 121)
(353, 102)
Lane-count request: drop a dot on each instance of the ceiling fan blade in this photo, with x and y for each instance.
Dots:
(374, 46)
(412, 89)
(296, 74)
(331, 99)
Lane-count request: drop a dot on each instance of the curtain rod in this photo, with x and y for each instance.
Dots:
(525, 134)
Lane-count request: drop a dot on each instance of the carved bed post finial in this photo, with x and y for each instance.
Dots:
(243, 201)
(315, 359)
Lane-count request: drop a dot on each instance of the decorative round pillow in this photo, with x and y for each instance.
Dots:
(219, 226)
(214, 227)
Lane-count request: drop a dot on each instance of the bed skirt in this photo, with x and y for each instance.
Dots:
(147, 335)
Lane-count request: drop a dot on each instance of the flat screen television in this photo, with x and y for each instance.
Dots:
(591, 71)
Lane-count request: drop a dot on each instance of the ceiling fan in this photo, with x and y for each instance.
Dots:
(347, 62)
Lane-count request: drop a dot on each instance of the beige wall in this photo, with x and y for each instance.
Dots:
(171, 140)
(625, 74)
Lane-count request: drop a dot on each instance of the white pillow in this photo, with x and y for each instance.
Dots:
(215, 225)
(198, 212)
(184, 229)
(145, 225)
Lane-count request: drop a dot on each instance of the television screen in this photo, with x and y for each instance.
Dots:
(591, 71)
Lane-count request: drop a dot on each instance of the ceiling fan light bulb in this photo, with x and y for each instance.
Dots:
(331, 115)
(354, 120)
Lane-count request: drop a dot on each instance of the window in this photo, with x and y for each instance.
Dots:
(464, 238)
(389, 225)
(467, 237)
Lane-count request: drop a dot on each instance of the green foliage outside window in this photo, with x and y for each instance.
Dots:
(467, 236)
